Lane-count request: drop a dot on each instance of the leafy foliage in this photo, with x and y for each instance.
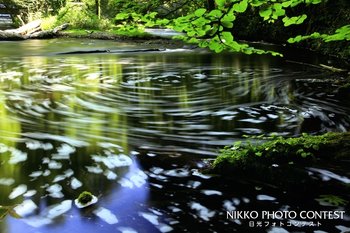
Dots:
(78, 16)
(34, 9)
(133, 22)
(342, 33)
(212, 28)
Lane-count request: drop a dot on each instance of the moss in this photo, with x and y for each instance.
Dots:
(85, 197)
(301, 150)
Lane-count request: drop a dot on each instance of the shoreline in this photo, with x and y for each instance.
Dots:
(141, 39)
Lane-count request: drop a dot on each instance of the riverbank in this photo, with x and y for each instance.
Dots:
(142, 38)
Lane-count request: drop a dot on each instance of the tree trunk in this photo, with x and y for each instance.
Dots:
(98, 8)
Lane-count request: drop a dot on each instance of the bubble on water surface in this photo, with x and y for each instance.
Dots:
(211, 192)
(59, 209)
(18, 191)
(17, 156)
(126, 230)
(75, 183)
(263, 197)
(106, 215)
(55, 191)
(26, 208)
(95, 170)
(202, 211)
(113, 161)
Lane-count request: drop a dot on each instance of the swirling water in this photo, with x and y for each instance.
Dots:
(134, 128)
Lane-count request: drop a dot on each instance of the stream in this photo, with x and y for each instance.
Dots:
(135, 129)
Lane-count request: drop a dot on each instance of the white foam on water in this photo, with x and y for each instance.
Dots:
(106, 215)
(18, 191)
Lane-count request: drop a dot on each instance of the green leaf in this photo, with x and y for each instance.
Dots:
(256, 3)
(248, 51)
(179, 27)
(259, 154)
(227, 36)
(203, 44)
(152, 15)
(150, 24)
(227, 24)
(162, 22)
(237, 143)
(215, 13)
(313, 1)
(122, 16)
(200, 22)
(229, 17)
(200, 12)
(342, 33)
(191, 33)
(278, 10)
(193, 40)
(294, 20)
(220, 2)
(215, 45)
(201, 32)
(265, 13)
(296, 2)
(286, 4)
(235, 46)
(219, 49)
(241, 6)
(273, 53)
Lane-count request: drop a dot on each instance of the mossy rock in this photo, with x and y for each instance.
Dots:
(85, 199)
(303, 150)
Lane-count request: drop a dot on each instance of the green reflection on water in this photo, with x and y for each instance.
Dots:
(30, 90)
(92, 100)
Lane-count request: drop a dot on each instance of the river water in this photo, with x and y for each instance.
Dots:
(135, 129)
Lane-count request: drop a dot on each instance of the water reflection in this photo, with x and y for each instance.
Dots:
(132, 129)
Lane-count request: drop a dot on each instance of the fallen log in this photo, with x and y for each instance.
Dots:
(47, 34)
(31, 30)
(27, 29)
(4, 35)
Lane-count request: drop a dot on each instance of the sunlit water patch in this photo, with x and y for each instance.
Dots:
(133, 130)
